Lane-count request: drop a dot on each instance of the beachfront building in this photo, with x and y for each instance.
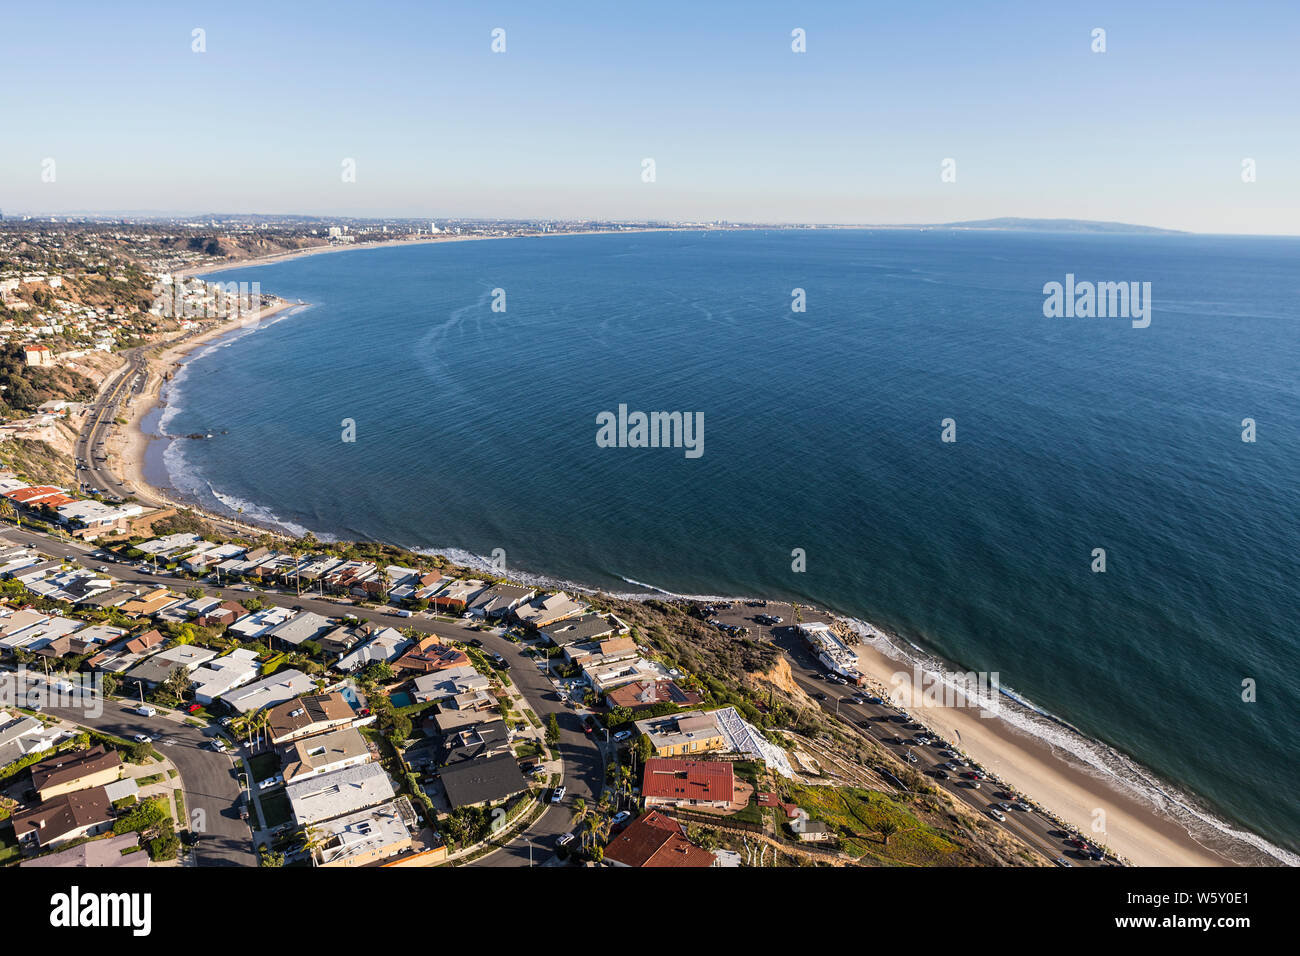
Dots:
(832, 651)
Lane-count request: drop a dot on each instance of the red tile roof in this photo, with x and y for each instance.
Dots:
(701, 780)
(655, 840)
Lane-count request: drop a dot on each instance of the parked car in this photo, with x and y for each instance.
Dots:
(194, 708)
(558, 794)
(621, 818)
(623, 735)
(141, 739)
(144, 710)
(564, 840)
(270, 782)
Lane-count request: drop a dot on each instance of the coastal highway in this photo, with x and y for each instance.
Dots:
(91, 446)
(884, 723)
(584, 768)
(92, 443)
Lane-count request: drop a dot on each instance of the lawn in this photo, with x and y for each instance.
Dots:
(276, 809)
(856, 814)
(264, 766)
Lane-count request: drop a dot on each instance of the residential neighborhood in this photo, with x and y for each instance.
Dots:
(366, 711)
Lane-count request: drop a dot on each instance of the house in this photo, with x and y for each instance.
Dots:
(640, 695)
(813, 831)
(21, 736)
(58, 819)
(42, 632)
(673, 782)
(583, 629)
(279, 687)
(338, 793)
(159, 667)
(449, 721)
(324, 753)
(110, 853)
(455, 597)
(692, 732)
(605, 678)
(223, 615)
(313, 714)
(253, 626)
(499, 600)
(429, 656)
(183, 611)
(472, 783)
(450, 683)
(224, 674)
(387, 645)
(342, 639)
(367, 836)
(149, 603)
(170, 544)
(304, 626)
(548, 610)
(655, 840)
(77, 770)
(476, 742)
(143, 642)
(610, 650)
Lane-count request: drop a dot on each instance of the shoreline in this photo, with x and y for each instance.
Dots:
(1072, 790)
(1062, 783)
(129, 444)
(191, 271)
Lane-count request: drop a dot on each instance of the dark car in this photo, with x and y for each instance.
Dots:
(819, 695)
(941, 774)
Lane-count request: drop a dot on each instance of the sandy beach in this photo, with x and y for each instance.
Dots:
(1055, 780)
(129, 443)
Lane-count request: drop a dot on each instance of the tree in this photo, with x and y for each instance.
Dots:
(644, 749)
(552, 730)
(269, 857)
(194, 593)
(886, 829)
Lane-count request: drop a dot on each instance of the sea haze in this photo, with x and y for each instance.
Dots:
(476, 430)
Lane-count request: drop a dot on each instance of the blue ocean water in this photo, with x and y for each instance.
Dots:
(476, 429)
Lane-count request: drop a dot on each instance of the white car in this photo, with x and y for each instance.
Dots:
(564, 840)
(558, 795)
(270, 782)
(142, 739)
(996, 814)
(621, 817)
(144, 710)
(623, 735)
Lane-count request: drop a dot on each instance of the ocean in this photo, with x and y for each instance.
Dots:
(476, 430)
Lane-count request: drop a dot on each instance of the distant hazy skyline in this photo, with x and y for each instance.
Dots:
(1153, 131)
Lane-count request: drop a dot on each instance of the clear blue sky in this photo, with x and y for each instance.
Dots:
(854, 130)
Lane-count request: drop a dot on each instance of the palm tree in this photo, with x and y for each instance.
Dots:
(886, 829)
(581, 813)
